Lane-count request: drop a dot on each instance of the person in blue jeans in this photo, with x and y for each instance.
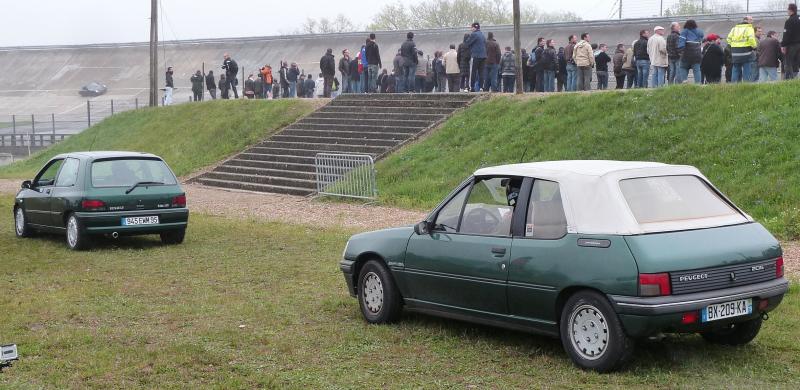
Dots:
(572, 69)
(642, 59)
(689, 43)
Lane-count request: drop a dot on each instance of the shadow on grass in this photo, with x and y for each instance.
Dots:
(104, 242)
(671, 352)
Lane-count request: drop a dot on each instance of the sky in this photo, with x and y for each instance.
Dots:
(59, 22)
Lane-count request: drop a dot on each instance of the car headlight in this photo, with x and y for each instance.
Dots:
(344, 252)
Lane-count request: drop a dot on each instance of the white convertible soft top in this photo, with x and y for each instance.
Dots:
(592, 198)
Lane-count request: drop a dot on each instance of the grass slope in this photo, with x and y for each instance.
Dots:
(745, 138)
(187, 136)
(245, 304)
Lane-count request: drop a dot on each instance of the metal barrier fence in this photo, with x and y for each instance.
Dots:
(346, 175)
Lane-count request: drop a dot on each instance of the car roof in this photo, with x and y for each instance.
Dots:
(568, 167)
(592, 198)
(94, 155)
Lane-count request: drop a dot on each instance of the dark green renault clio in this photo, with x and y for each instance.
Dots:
(88, 194)
(598, 253)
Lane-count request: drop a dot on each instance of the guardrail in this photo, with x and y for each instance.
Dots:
(346, 175)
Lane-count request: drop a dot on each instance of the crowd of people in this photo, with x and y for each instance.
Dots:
(658, 57)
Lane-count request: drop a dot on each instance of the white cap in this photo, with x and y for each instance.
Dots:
(658, 28)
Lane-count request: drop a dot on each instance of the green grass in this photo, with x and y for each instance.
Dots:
(135, 314)
(187, 136)
(745, 138)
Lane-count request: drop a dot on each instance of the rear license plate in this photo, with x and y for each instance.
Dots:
(720, 311)
(132, 221)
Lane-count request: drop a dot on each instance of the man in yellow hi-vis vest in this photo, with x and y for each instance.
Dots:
(742, 41)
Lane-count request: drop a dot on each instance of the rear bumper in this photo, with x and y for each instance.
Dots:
(689, 302)
(347, 267)
(110, 222)
(646, 316)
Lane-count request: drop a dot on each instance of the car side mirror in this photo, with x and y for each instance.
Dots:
(422, 228)
(26, 184)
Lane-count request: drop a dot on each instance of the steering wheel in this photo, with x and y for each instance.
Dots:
(478, 222)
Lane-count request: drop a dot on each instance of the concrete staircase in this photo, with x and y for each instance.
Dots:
(374, 124)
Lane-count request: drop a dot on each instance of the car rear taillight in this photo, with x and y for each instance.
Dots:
(779, 267)
(690, 317)
(179, 201)
(654, 285)
(93, 205)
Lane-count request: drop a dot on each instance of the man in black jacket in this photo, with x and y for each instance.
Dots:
(409, 52)
(373, 63)
(169, 86)
(713, 59)
(641, 59)
(327, 64)
(197, 86)
(463, 57)
(344, 70)
(537, 66)
(673, 53)
(211, 85)
(231, 70)
(790, 45)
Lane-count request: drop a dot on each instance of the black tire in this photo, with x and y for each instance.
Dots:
(173, 237)
(77, 239)
(21, 227)
(588, 314)
(378, 295)
(739, 333)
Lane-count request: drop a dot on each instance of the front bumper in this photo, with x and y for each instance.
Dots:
(111, 221)
(347, 267)
(644, 316)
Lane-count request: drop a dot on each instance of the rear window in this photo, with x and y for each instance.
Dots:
(127, 172)
(673, 198)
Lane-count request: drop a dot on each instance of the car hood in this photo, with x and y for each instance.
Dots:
(388, 244)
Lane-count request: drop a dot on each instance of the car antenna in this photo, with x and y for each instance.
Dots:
(521, 159)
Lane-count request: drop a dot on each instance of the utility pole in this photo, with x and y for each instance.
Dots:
(620, 9)
(517, 49)
(153, 53)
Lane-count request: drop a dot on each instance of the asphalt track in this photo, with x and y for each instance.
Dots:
(45, 80)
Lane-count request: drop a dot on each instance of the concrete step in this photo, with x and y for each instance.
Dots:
(292, 174)
(278, 157)
(347, 134)
(271, 165)
(460, 97)
(335, 140)
(266, 180)
(356, 127)
(424, 103)
(353, 116)
(387, 110)
(311, 150)
(366, 122)
(237, 185)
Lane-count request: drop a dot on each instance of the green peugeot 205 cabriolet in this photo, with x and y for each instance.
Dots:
(102, 193)
(598, 253)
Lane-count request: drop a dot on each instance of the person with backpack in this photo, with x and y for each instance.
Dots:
(231, 70)
(690, 43)
(211, 85)
(508, 70)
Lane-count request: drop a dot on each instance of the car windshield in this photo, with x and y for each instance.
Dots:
(126, 172)
(673, 198)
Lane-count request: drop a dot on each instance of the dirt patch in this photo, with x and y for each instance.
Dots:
(295, 209)
(9, 186)
(791, 258)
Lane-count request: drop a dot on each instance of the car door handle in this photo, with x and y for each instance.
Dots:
(499, 251)
(47, 191)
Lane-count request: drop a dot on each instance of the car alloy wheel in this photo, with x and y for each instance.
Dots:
(589, 332)
(72, 232)
(373, 292)
(19, 221)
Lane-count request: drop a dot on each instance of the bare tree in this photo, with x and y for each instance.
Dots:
(326, 26)
(459, 13)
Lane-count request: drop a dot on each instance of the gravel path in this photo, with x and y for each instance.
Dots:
(295, 209)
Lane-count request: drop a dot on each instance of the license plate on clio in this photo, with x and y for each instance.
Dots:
(720, 311)
(133, 221)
